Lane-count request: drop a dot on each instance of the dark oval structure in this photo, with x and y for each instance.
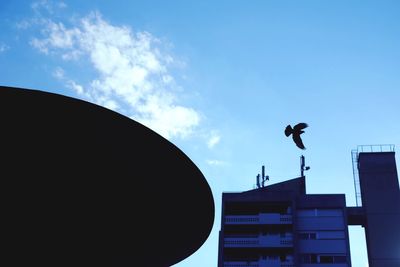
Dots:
(85, 186)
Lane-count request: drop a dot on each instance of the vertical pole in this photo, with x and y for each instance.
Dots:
(263, 171)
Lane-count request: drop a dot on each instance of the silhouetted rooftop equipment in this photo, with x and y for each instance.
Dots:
(303, 166)
(263, 178)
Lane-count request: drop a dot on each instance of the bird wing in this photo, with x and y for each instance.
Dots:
(288, 130)
(298, 141)
(300, 126)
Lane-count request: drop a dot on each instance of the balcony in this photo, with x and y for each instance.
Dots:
(241, 264)
(260, 263)
(262, 218)
(264, 241)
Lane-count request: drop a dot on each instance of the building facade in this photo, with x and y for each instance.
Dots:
(380, 209)
(280, 225)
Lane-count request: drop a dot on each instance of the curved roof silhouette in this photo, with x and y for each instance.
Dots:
(87, 186)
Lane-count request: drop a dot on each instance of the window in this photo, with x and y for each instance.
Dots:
(303, 236)
(330, 212)
(315, 258)
(285, 234)
(325, 259)
(331, 235)
(306, 213)
(339, 259)
(308, 258)
(322, 235)
(307, 235)
(320, 213)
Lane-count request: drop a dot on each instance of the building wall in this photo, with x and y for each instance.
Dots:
(381, 201)
(322, 231)
(257, 239)
(317, 224)
(254, 234)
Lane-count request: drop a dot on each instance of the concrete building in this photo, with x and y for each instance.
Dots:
(280, 225)
(380, 210)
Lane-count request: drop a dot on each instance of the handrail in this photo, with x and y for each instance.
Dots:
(376, 148)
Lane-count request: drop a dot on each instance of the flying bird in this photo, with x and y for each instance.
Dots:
(296, 131)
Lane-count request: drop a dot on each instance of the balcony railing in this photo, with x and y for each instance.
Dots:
(259, 241)
(241, 242)
(263, 218)
(285, 219)
(261, 263)
(241, 264)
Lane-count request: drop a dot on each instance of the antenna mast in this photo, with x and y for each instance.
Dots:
(303, 166)
(263, 177)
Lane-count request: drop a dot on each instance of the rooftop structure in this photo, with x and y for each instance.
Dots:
(280, 225)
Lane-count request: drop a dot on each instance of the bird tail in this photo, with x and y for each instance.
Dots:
(288, 130)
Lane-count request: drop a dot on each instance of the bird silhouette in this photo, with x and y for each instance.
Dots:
(296, 131)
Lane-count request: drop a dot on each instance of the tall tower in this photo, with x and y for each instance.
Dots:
(380, 196)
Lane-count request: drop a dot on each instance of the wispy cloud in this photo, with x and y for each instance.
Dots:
(3, 47)
(213, 139)
(59, 73)
(132, 72)
(215, 162)
(42, 9)
(47, 5)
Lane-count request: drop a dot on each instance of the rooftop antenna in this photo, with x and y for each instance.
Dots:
(258, 180)
(303, 166)
(263, 178)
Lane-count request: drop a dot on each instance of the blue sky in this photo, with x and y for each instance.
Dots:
(222, 79)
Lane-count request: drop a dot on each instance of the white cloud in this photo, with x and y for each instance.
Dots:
(42, 4)
(57, 37)
(213, 140)
(215, 162)
(23, 24)
(59, 73)
(132, 72)
(76, 87)
(47, 5)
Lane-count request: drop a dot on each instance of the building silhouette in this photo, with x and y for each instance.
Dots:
(280, 225)
(86, 186)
